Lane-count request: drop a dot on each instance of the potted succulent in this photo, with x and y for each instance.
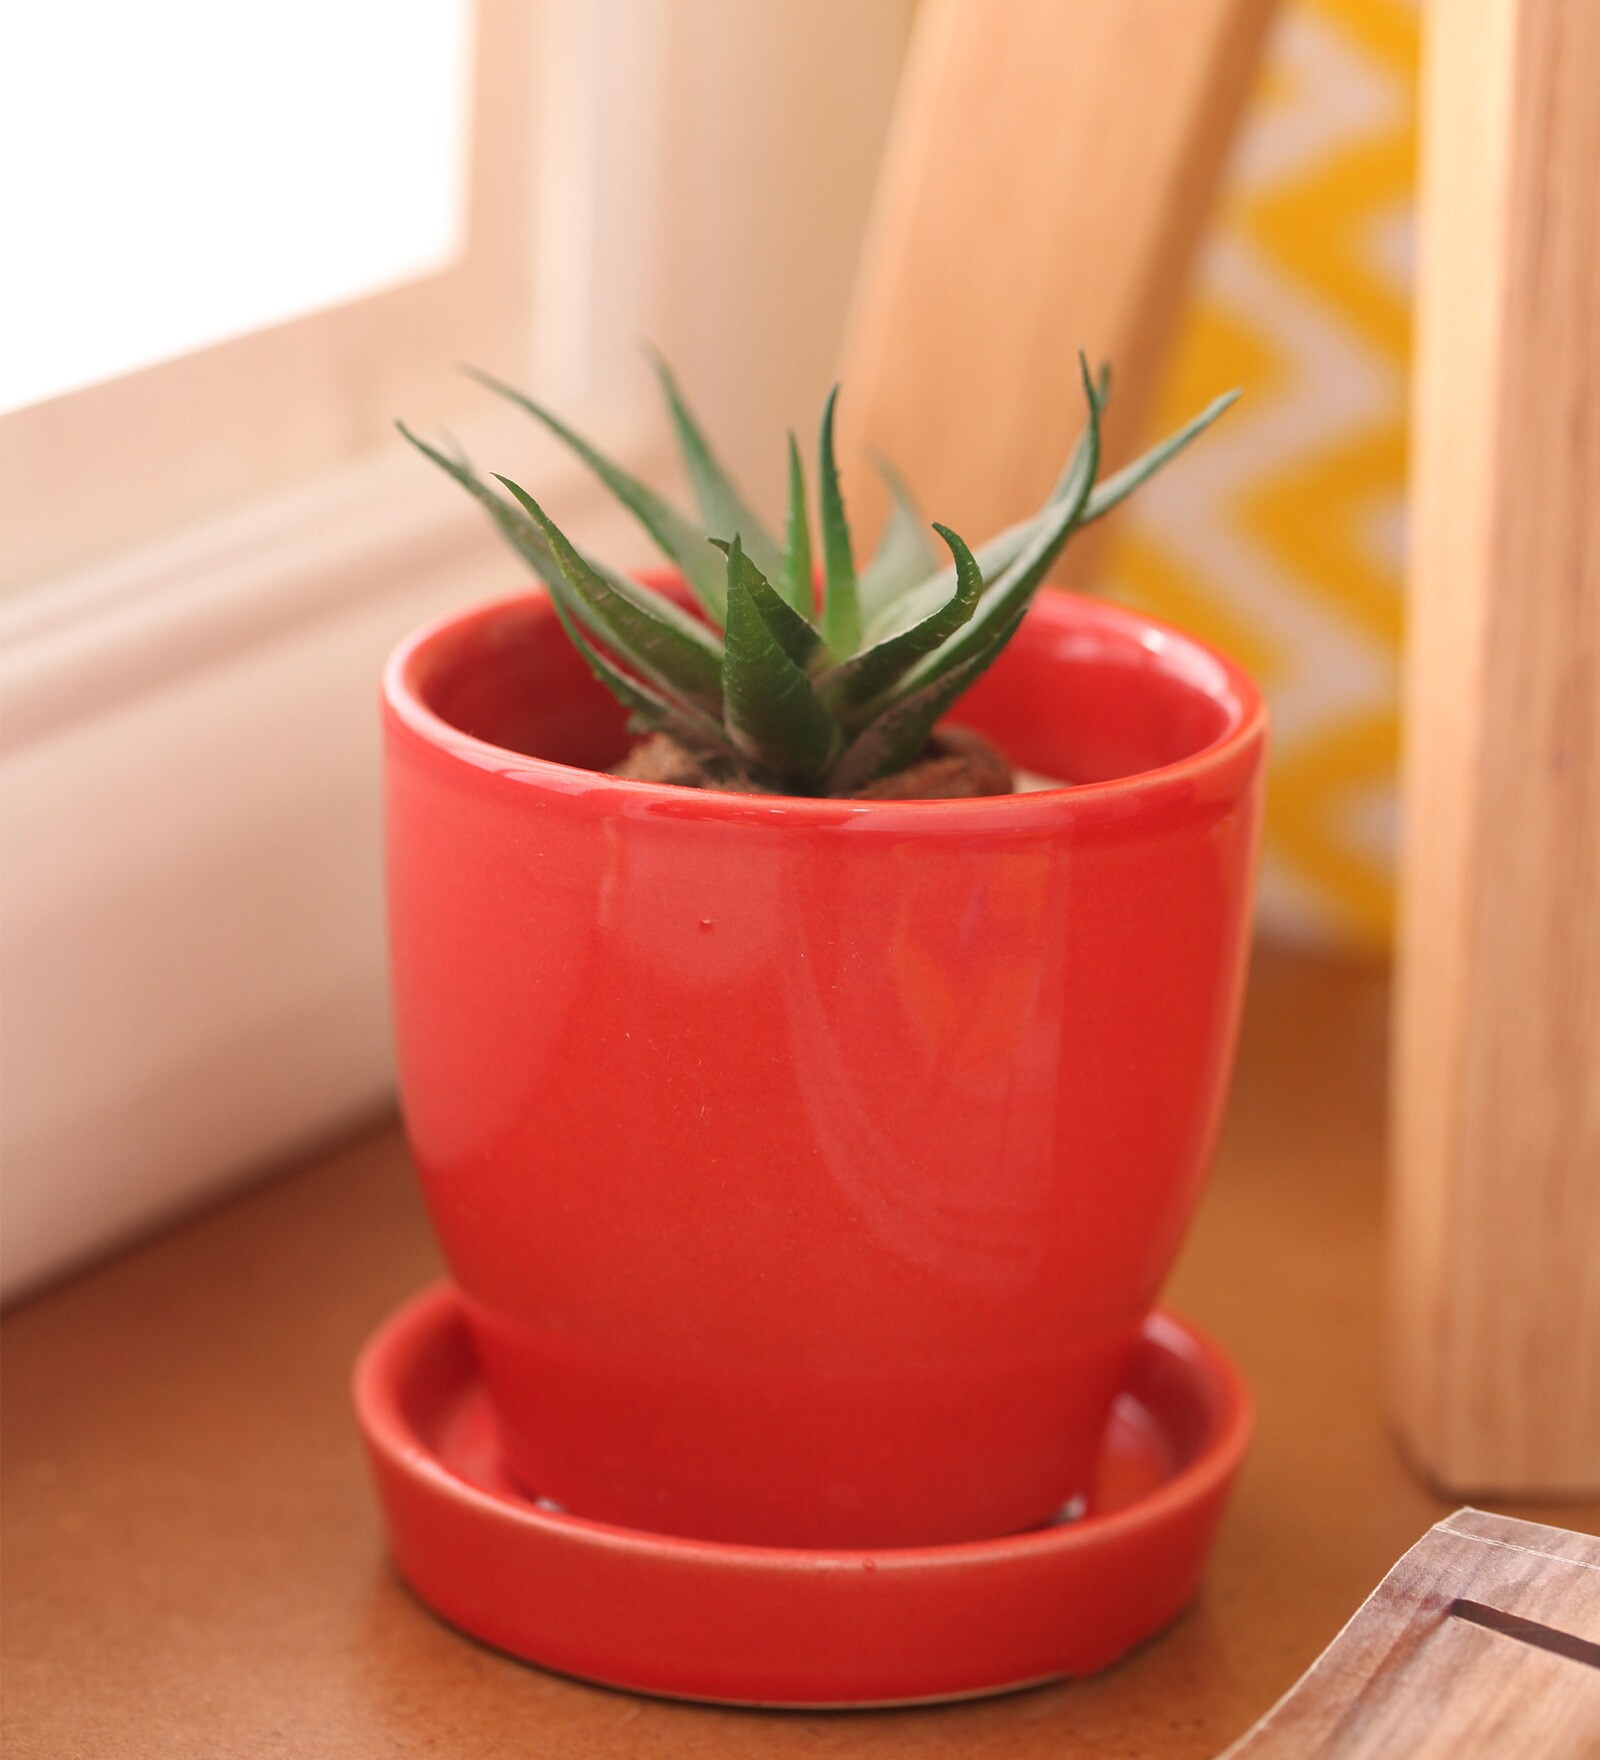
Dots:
(809, 1118)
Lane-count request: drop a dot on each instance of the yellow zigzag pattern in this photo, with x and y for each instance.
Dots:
(1279, 539)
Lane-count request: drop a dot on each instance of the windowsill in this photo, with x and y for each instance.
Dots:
(194, 1562)
(74, 646)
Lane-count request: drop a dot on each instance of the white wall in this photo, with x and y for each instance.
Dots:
(780, 115)
(723, 161)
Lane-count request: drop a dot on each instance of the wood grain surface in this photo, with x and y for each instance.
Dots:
(1046, 181)
(1496, 1271)
(1484, 1640)
(193, 1564)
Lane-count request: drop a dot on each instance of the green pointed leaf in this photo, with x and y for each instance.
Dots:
(993, 558)
(723, 509)
(1119, 486)
(684, 722)
(904, 557)
(646, 629)
(864, 677)
(678, 539)
(682, 719)
(999, 552)
(773, 716)
(523, 535)
(897, 736)
(528, 541)
(1010, 595)
(841, 610)
(795, 581)
(796, 635)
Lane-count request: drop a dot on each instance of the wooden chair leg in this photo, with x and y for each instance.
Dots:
(1496, 1211)
(1049, 171)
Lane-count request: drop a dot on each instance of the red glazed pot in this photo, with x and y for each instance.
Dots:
(807, 1167)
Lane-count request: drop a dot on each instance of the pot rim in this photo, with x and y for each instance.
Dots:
(1206, 670)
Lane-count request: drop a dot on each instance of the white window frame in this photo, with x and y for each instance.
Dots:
(191, 926)
(192, 980)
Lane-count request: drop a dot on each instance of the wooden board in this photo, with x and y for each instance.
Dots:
(1484, 1640)
(1496, 1261)
(1049, 171)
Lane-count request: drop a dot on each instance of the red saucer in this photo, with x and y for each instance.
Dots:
(768, 1626)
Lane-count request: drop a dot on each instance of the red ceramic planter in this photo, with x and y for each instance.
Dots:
(770, 1625)
(807, 1168)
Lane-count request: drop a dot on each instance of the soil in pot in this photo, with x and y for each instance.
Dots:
(956, 764)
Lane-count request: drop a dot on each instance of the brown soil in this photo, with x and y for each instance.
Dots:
(955, 764)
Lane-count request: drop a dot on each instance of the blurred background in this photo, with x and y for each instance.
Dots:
(244, 240)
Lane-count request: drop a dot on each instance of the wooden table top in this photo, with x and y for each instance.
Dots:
(193, 1563)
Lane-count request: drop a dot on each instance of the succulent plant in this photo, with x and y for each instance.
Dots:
(793, 681)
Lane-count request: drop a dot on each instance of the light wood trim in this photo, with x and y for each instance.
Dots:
(122, 461)
(1049, 172)
(1496, 1211)
(1450, 1657)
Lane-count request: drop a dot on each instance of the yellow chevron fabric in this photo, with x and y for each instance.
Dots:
(1279, 536)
